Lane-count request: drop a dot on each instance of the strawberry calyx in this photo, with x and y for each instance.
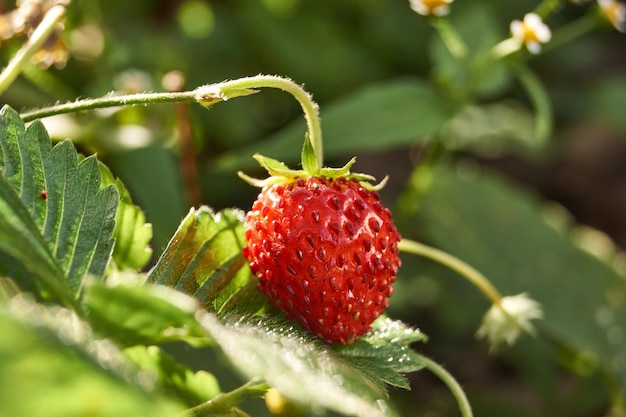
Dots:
(281, 173)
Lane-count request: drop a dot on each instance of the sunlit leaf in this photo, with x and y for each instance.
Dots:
(134, 314)
(54, 207)
(174, 378)
(261, 342)
(204, 258)
(153, 178)
(384, 353)
(51, 364)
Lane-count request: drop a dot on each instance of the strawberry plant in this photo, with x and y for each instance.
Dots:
(302, 302)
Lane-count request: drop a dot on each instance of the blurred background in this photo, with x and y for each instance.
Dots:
(458, 151)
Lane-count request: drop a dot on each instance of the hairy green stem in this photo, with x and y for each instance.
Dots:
(109, 101)
(467, 271)
(206, 95)
(244, 86)
(225, 401)
(34, 43)
(451, 383)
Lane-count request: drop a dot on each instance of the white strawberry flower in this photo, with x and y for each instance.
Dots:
(531, 32)
(615, 12)
(431, 7)
(508, 320)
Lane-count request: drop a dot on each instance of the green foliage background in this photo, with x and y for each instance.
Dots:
(386, 87)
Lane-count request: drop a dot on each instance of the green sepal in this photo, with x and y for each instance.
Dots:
(277, 168)
(280, 173)
(309, 159)
(344, 171)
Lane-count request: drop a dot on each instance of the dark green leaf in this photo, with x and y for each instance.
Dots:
(61, 202)
(480, 73)
(143, 314)
(609, 100)
(493, 129)
(503, 232)
(204, 258)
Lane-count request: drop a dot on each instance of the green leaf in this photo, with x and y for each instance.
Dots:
(134, 314)
(302, 368)
(384, 353)
(503, 232)
(347, 379)
(51, 364)
(480, 74)
(132, 233)
(608, 99)
(64, 199)
(493, 129)
(173, 378)
(204, 258)
(377, 118)
(24, 254)
(152, 176)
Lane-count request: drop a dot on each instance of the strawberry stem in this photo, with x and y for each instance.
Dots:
(209, 94)
(441, 257)
(223, 404)
(451, 383)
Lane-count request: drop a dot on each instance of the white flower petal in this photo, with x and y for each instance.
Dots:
(543, 33)
(517, 29)
(532, 20)
(533, 47)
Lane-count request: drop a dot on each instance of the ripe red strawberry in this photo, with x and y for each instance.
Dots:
(324, 249)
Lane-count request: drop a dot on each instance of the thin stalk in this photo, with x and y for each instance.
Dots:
(503, 49)
(451, 383)
(467, 271)
(450, 38)
(224, 402)
(573, 30)
(205, 95)
(247, 85)
(34, 43)
(109, 101)
(547, 7)
(541, 102)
